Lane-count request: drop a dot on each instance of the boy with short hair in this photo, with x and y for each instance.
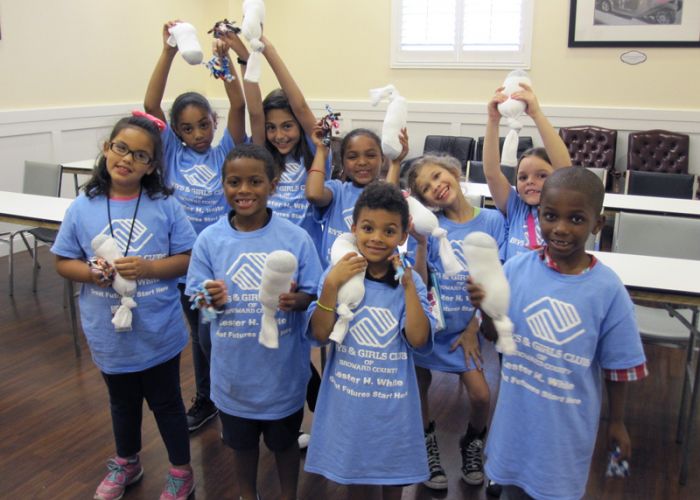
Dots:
(574, 326)
(367, 429)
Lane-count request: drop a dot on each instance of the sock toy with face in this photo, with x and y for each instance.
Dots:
(253, 19)
(481, 253)
(394, 120)
(277, 275)
(106, 247)
(184, 37)
(351, 293)
(512, 109)
(425, 223)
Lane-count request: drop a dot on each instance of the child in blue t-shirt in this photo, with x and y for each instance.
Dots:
(367, 428)
(193, 171)
(256, 389)
(574, 326)
(127, 200)
(519, 205)
(434, 180)
(334, 200)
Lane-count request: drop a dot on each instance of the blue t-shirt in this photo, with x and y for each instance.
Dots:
(337, 216)
(568, 328)
(456, 308)
(247, 379)
(517, 212)
(289, 198)
(196, 178)
(160, 230)
(367, 425)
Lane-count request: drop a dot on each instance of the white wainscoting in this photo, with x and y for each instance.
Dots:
(77, 133)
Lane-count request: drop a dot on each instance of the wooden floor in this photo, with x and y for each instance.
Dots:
(55, 430)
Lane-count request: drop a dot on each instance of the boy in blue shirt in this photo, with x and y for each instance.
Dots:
(367, 428)
(574, 326)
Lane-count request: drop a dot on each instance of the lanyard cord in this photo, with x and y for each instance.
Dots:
(133, 219)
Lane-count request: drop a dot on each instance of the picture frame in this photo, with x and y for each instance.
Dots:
(634, 23)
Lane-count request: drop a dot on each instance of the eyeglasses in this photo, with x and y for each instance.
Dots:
(122, 150)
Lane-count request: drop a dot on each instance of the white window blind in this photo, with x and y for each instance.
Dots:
(461, 33)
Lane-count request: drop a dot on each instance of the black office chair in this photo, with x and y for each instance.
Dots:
(524, 143)
(459, 147)
(659, 184)
(475, 172)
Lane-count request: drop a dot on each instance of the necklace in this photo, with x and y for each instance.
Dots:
(133, 219)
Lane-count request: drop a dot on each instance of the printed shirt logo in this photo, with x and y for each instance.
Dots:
(201, 176)
(246, 271)
(374, 327)
(293, 173)
(553, 320)
(121, 228)
(459, 253)
(347, 216)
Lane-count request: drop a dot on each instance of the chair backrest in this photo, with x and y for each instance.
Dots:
(602, 173)
(658, 151)
(41, 178)
(657, 235)
(459, 147)
(475, 172)
(524, 143)
(659, 184)
(590, 146)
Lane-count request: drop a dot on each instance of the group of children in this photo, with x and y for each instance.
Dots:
(193, 219)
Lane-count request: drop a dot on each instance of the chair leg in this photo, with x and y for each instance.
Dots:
(26, 244)
(685, 454)
(35, 267)
(73, 317)
(12, 265)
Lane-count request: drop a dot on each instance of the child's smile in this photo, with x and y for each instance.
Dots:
(247, 188)
(437, 186)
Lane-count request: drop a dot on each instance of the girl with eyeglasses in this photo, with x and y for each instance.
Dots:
(127, 200)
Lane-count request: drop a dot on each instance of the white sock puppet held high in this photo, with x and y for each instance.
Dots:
(277, 275)
(512, 109)
(481, 252)
(394, 120)
(184, 37)
(106, 247)
(426, 223)
(351, 293)
(251, 27)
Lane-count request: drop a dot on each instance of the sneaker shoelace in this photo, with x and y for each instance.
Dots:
(197, 404)
(117, 472)
(433, 453)
(174, 484)
(472, 456)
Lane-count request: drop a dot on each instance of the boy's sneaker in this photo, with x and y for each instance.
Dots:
(303, 440)
(493, 489)
(201, 412)
(438, 479)
(179, 485)
(472, 461)
(122, 473)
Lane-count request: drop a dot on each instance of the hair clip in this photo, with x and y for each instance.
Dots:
(160, 124)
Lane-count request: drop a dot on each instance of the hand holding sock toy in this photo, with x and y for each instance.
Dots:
(512, 109)
(184, 37)
(277, 275)
(394, 120)
(106, 247)
(351, 293)
(253, 19)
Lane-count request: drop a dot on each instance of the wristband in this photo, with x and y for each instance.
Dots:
(325, 308)
(242, 62)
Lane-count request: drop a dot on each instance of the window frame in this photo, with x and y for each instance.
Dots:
(457, 58)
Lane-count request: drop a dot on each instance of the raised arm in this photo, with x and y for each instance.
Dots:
(236, 113)
(156, 85)
(393, 175)
(553, 144)
(498, 183)
(316, 191)
(298, 103)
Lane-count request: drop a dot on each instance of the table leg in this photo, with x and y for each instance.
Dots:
(693, 404)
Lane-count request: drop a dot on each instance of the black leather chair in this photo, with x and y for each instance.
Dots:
(475, 172)
(461, 148)
(592, 147)
(524, 143)
(659, 184)
(658, 151)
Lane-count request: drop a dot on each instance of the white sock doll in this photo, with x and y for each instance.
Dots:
(425, 222)
(481, 252)
(512, 109)
(184, 37)
(277, 274)
(253, 19)
(106, 247)
(351, 293)
(394, 120)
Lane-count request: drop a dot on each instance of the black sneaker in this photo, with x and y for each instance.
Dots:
(493, 489)
(472, 461)
(201, 412)
(438, 479)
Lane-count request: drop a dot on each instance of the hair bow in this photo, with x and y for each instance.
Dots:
(160, 124)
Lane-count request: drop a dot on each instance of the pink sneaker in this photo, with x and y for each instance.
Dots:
(179, 485)
(122, 473)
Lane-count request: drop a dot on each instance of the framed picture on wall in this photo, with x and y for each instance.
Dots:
(634, 23)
